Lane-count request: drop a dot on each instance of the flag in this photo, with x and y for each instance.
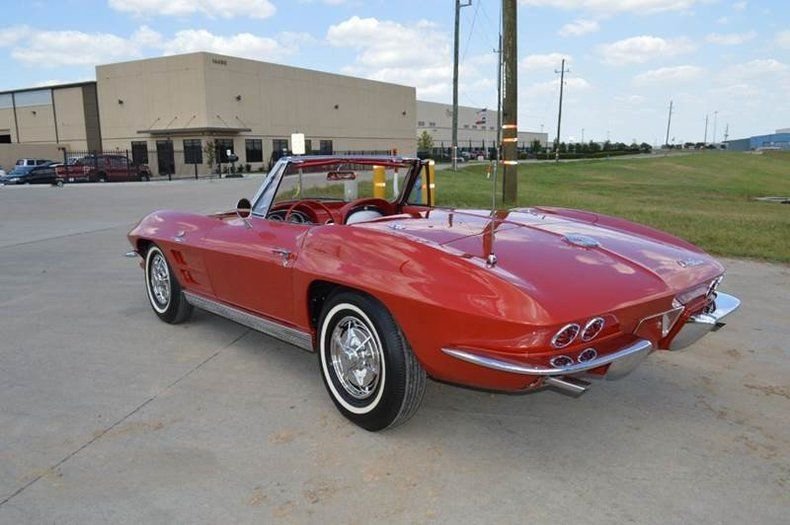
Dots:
(482, 116)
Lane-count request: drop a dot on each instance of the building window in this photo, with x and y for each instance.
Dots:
(253, 150)
(432, 124)
(474, 126)
(139, 152)
(421, 123)
(280, 147)
(223, 145)
(466, 126)
(193, 151)
(308, 146)
(5, 139)
(326, 147)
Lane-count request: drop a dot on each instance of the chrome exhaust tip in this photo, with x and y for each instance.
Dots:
(568, 384)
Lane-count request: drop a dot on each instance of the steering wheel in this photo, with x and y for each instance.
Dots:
(380, 205)
(307, 204)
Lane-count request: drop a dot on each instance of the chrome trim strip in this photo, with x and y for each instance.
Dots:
(698, 326)
(640, 345)
(303, 340)
(130, 254)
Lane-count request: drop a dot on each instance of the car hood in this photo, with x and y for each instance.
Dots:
(567, 264)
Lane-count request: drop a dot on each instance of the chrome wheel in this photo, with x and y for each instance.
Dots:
(159, 279)
(356, 357)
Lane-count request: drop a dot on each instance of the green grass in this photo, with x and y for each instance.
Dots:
(705, 198)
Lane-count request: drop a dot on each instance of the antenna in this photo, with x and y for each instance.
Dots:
(491, 257)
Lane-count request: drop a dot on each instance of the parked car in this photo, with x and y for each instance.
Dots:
(2, 172)
(43, 174)
(390, 292)
(102, 168)
(32, 162)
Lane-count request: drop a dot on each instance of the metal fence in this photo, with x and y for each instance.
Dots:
(196, 163)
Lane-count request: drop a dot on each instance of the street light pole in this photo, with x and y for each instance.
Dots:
(562, 72)
(458, 6)
(715, 115)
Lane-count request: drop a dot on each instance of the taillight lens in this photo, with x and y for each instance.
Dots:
(561, 361)
(565, 335)
(592, 328)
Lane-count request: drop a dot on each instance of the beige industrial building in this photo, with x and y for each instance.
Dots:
(174, 113)
(165, 111)
(42, 122)
(476, 126)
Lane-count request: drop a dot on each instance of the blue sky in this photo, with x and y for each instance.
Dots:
(627, 58)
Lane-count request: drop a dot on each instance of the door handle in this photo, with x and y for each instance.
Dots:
(285, 254)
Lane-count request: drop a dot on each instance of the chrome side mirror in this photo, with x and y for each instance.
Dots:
(243, 210)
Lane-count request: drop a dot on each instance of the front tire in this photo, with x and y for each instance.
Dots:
(367, 366)
(163, 289)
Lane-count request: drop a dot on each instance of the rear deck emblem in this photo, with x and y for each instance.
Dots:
(577, 239)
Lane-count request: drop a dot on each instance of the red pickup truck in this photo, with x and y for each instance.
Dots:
(102, 168)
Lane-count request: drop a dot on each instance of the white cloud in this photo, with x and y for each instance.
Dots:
(76, 48)
(245, 45)
(72, 48)
(754, 69)
(782, 39)
(579, 27)
(546, 62)
(739, 6)
(672, 75)
(209, 8)
(640, 49)
(610, 6)
(11, 35)
(386, 51)
(730, 39)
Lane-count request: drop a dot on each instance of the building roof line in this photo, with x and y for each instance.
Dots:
(53, 86)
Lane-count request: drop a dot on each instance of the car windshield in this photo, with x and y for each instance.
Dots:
(341, 181)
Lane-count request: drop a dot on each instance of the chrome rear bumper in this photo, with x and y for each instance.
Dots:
(620, 362)
(697, 326)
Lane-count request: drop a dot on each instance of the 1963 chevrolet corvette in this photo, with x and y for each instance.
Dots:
(389, 291)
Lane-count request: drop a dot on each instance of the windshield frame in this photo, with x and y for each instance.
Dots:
(264, 197)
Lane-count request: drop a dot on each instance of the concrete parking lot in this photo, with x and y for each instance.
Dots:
(109, 415)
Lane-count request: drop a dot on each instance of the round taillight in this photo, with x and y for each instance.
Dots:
(561, 361)
(592, 328)
(588, 355)
(565, 335)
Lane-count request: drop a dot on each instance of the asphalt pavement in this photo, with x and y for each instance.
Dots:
(109, 415)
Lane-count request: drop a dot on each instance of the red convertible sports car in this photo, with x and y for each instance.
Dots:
(348, 258)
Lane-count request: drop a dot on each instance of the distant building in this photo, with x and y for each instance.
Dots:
(165, 111)
(476, 127)
(778, 140)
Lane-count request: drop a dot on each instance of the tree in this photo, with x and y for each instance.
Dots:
(424, 141)
(536, 146)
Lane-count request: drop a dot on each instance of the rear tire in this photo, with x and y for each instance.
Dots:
(366, 363)
(163, 289)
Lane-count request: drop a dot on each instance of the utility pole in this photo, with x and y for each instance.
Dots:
(562, 72)
(458, 6)
(669, 123)
(582, 135)
(705, 141)
(715, 115)
(726, 131)
(510, 102)
(498, 143)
